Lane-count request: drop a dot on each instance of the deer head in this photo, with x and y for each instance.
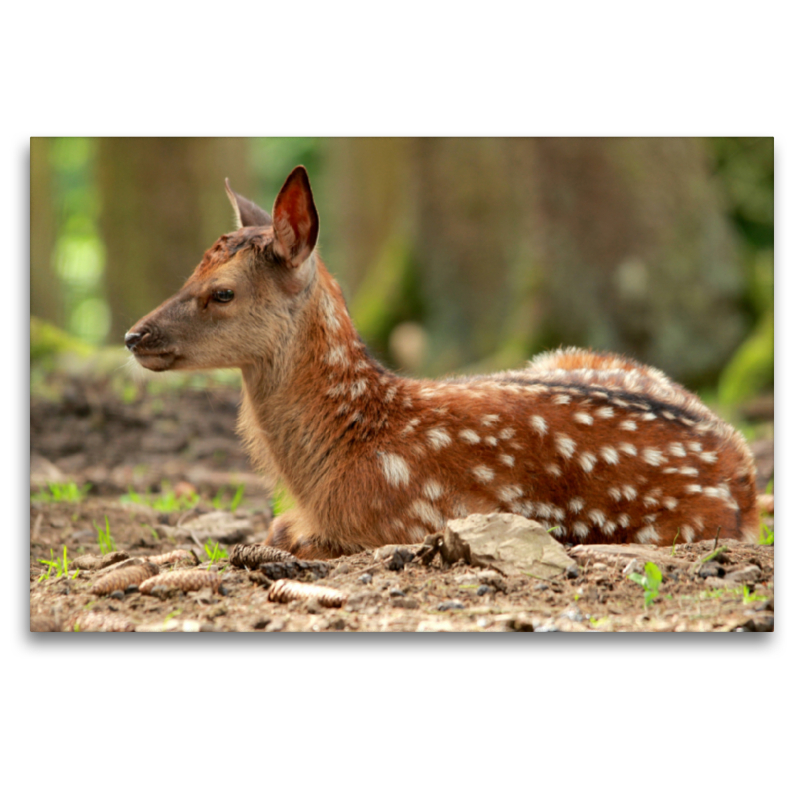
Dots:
(243, 301)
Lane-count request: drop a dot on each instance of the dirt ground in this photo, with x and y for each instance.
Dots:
(138, 443)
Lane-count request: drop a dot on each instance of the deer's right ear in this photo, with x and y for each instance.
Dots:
(248, 214)
(296, 220)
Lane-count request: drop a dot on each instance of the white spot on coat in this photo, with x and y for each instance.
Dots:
(575, 505)
(509, 493)
(438, 438)
(585, 419)
(609, 454)
(597, 517)
(653, 456)
(427, 513)
(628, 448)
(606, 412)
(469, 436)
(580, 529)
(507, 459)
(628, 492)
(395, 468)
(565, 445)
(647, 535)
(628, 425)
(587, 461)
(432, 490)
(676, 449)
(539, 424)
(483, 473)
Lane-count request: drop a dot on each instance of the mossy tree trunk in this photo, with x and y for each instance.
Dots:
(163, 205)
(519, 244)
(47, 301)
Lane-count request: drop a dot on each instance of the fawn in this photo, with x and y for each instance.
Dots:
(597, 447)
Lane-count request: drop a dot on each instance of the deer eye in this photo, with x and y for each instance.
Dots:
(223, 296)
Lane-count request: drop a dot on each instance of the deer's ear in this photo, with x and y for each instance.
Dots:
(248, 214)
(296, 222)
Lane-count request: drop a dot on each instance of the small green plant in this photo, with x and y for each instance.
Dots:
(104, 538)
(219, 501)
(63, 493)
(60, 565)
(751, 597)
(165, 502)
(214, 551)
(767, 536)
(650, 582)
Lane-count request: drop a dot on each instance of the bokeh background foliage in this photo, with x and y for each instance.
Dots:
(462, 254)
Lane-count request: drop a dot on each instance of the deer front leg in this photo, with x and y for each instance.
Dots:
(292, 532)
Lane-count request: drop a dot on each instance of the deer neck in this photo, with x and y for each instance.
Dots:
(303, 413)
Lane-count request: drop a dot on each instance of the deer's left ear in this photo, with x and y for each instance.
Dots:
(296, 223)
(248, 214)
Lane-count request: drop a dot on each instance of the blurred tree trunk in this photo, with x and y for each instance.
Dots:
(47, 301)
(163, 205)
(519, 244)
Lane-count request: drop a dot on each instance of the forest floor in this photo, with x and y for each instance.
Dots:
(164, 468)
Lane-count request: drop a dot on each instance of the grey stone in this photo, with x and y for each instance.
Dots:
(508, 543)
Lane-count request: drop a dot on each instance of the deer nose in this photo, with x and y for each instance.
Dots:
(132, 339)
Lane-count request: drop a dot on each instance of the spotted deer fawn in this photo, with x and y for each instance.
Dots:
(598, 448)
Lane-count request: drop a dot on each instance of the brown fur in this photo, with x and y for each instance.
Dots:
(596, 446)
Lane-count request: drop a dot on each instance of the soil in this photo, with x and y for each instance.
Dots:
(118, 437)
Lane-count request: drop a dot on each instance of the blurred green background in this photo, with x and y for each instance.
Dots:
(462, 254)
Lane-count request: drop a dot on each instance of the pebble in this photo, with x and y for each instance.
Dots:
(449, 605)
(118, 595)
(403, 602)
(711, 570)
(750, 573)
(483, 589)
(547, 629)
(632, 566)
(396, 593)
(366, 578)
(573, 571)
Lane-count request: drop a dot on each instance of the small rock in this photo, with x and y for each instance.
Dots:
(491, 578)
(118, 595)
(547, 629)
(599, 566)
(396, 593)
(634, 565)
(541, 586)
(748, 574)
(573, 614)
(520, 625)
(573, 571)
(131, 588)
(366, 577)
(403, 602)
(449, 605)
(711, 569)
(393, 557)
(483, 589)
